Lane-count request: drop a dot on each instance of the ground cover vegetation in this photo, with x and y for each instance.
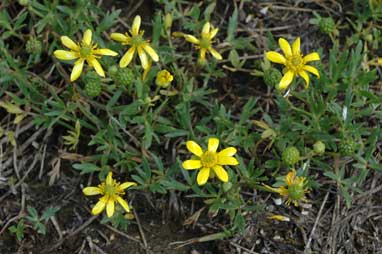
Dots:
(173, 126)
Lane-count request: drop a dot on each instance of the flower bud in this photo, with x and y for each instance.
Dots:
(168, 21)
(24, 2)
(319, 147)
(33, 46)
(291, 155)
(163, 79)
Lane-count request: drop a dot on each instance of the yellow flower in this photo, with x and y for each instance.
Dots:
(294, 61)
(205, 42)
(137, 43)
(210, 159)
(164, 78)
(86, 50)
(293, 190)
(111, 192)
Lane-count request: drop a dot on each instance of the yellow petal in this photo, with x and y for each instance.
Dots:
(98, 208)
(192, 164)
(191, 38)
(229, 151)
(311, 57)
(221, 173)
(146, 72)
(206, 29)
(215, 53)
(126, 185)
(296, 46)
(290, 177)
(305, 76)
(123, 203)
(90, 191)
(66, 55)
(151, 52)
(96, 65)
(227, 160)
(110, 208)
(136, 25)
(213, 144)
(77, 69)
(275, 57)
(278, 217)
(194, 148)
(105, 52)
(144, 61)
(269, 188)
(87, 37)
(67, 42)
(213, 33)
(285, 47)
(127, 57)
(109, 178)
(119, 37)
(312, 69)
(283, 191)
(286, 80)
(202, 54)
(203, 175)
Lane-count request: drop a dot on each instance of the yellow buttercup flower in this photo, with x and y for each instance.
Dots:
(205, 42)
(111, 191)
(210, 159)
(294, 61)
(137, 43)
(293, 190)
(86, 50)
(164, 78)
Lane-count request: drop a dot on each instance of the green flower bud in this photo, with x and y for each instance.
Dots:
(327, 25)
(123, 77)
(347, 147)
(93, 86)
(112, 70)
(23, 2)
(319, 147)
(368, 37)
(291, 155)
(272, 77)
(227, 186)
(168, 21)
(33, 46)
(296, 191)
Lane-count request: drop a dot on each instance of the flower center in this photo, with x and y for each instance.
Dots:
(209, 159)
(296, 191)
(204, 43)
(110, 190)
(295, 63)
(137, 40)
(85, 51)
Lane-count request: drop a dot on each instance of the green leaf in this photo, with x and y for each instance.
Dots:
(232, 26)
(86, 167)
(108, 21)
(49, 212)
(33, 213)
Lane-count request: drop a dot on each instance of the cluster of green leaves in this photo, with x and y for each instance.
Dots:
(33, 219)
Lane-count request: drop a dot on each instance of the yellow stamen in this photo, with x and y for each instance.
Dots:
(209, 159)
